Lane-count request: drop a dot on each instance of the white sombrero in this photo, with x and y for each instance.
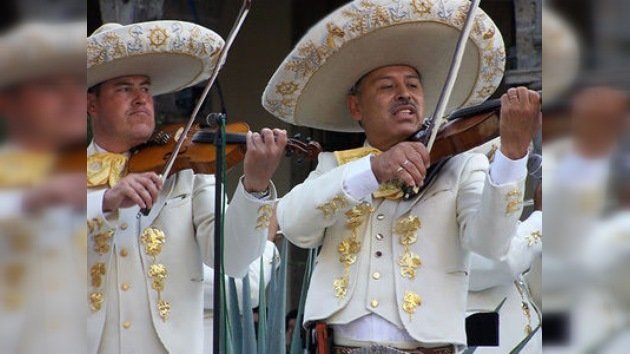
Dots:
(561, 55)
(174, 54)
(35, 50)
(311, 85)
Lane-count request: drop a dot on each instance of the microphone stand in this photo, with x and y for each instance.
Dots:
(219, 278)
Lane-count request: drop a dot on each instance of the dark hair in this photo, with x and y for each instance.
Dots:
(96, 89)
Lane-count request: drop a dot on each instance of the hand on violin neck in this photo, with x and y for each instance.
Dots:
(140, 189)
(521, 119)
(406, 161)
(263, 155)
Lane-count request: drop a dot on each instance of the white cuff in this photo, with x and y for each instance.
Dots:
(504, 170)
(11, 203)
(358, 179)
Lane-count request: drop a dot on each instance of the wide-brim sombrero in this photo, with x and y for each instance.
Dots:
(561, 55)
(37, 50)
(173, 54)
(310, 86)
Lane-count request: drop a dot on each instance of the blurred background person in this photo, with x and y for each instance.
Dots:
(42, 202)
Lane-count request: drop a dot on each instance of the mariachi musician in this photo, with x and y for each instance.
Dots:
(392, 274)
(145, 291)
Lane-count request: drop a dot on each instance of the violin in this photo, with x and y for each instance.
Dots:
(465, 129)
(198, 151)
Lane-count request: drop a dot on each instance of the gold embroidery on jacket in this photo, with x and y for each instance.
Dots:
(264, 216)
(407, 227)
(97, 272)
(411, 301)
(153, 240)
(96, 301)
(330, 208)
(534, 238)
(514, 201)
(101, 241)
(349, 247)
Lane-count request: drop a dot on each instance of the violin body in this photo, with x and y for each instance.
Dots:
(153, 155)
(198, 151)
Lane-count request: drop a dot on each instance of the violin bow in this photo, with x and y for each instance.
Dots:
(247, 4)
(438, 117)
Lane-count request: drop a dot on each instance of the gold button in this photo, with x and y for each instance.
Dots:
(123, 252)
(124, 226)
(379, 236)
(380, 217)
(374, 303)
(124, 286)
(376, 275)
(126, 324)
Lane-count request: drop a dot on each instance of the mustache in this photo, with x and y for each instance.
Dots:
(403, 102)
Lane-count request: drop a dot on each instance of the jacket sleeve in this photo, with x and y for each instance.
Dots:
(525, 246)
(309, 208)
(246, 222)
(487, 213)
(254, 278)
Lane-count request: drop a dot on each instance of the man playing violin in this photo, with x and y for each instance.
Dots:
(392, 274)
(146, 277)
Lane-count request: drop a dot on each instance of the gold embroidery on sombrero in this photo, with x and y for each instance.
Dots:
(361, 17)
(421, 7)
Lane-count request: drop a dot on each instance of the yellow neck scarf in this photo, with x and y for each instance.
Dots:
(105, 168)
(388, 190)
(24, 169)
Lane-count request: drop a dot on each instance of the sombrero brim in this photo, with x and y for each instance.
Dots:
(183, 71)
(316, 98)
(173, 54)
(38, 50)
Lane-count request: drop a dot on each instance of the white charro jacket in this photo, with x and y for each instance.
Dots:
(492, 282)
(145, 276)
(406, 261)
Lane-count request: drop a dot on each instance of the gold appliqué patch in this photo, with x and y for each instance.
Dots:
(153, 240)
(411, 301)
(101, 241)
(534, 238)
(514, 200)
(330, 208)
(349, 247)
(264, 216)
(97, 271)
(96, 301)
(407, 228)
(421, 7)
(158, 37)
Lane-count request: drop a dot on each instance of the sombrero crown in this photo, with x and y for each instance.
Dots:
(35, 50)
(310, 87)
(174, 54)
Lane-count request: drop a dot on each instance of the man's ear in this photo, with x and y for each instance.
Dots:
(91, 104)
(353, 106)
